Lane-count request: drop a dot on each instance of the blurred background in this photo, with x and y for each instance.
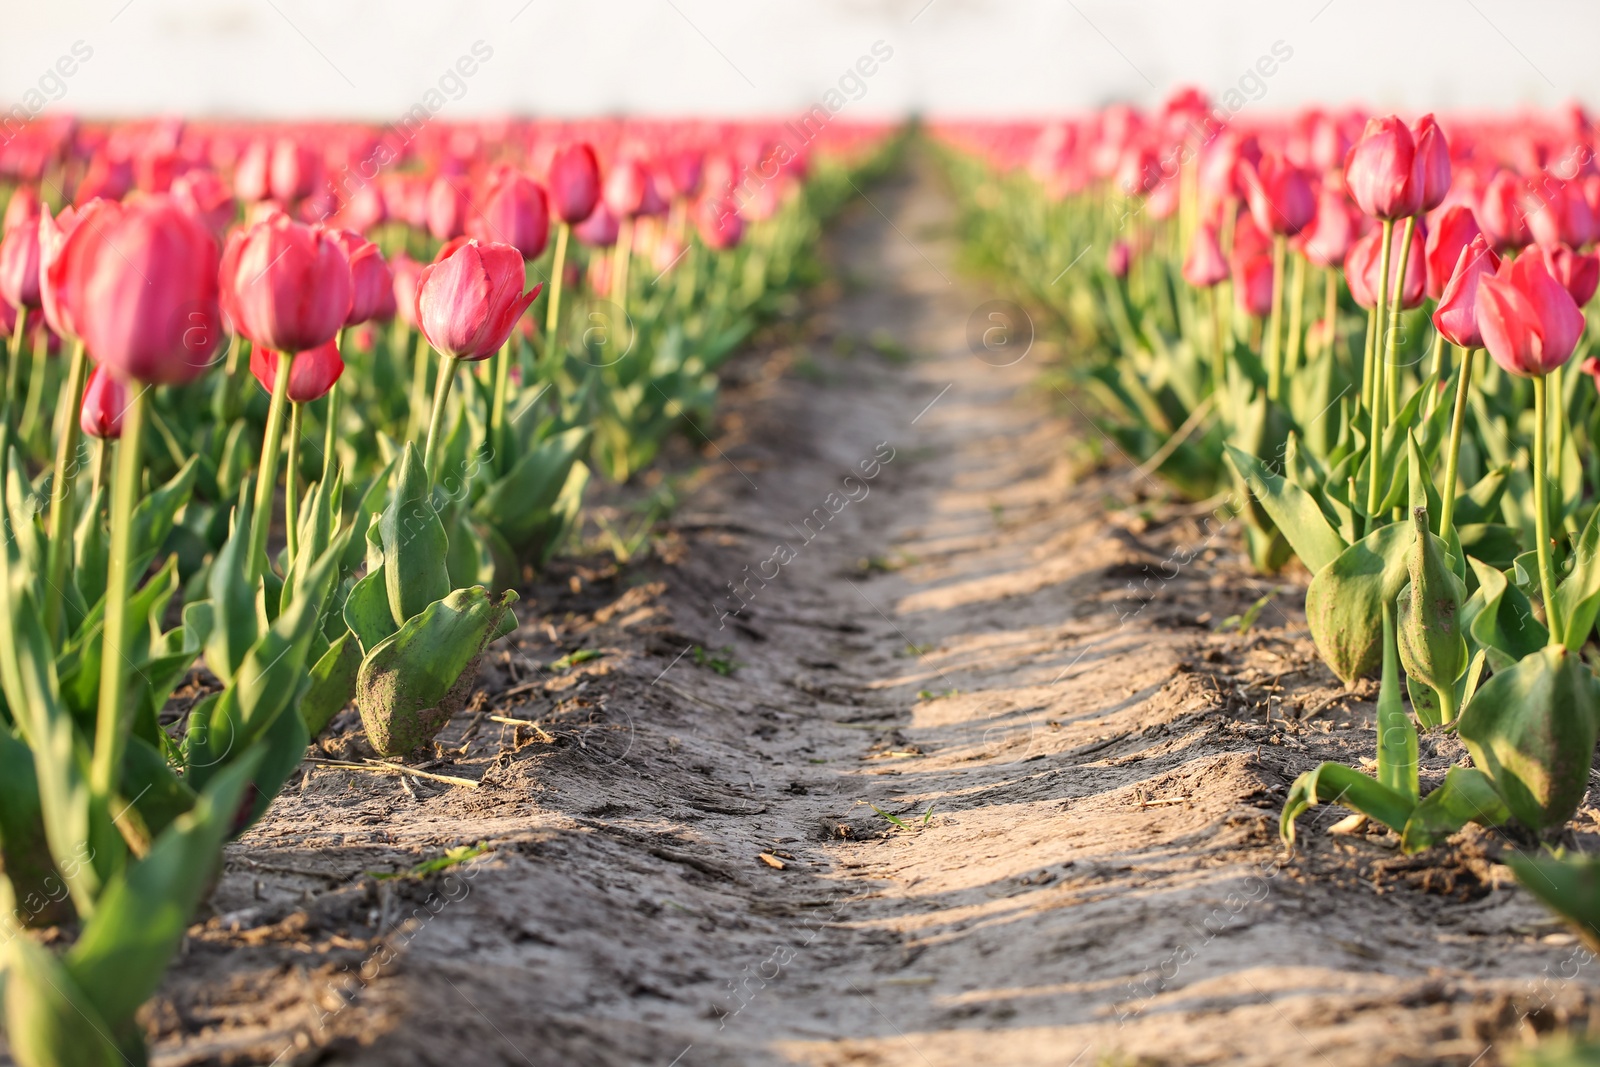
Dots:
(377, 58)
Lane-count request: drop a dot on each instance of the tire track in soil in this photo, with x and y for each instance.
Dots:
(1087, 789)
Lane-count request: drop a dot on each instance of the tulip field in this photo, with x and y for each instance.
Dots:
(566, 592)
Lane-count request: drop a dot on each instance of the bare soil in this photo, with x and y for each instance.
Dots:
(972, 777)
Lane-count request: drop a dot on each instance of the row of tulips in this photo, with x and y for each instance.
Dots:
(1291, 313)
(171, 264)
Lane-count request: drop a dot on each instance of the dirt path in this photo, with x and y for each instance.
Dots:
(1018, 665)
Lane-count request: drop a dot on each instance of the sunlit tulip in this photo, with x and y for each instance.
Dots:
(719, 224)
(1503, 214)
(1433, 162)
(1383, 171)
(574, 183)
(1279, 194)
(599, 230)
(1453, 231)
(19, 266)
(516, 213)
(1530, 323)
(371, 280)
(105, 398)
(1205, 265)
(1578, 272)
(311, 375)
(140, 287)
(285, 285)
(448, 209)
(203, 195)
(468, 302)
(1118, 258)
(1362, 265)
(1456, 317)
(1252, 285)
(1328, 239)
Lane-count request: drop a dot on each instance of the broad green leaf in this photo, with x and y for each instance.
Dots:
(1569, 886)
(50, 1021)
(366, 610)
(235, 623)
(1433, 651)
(1578, 596)
(1499, 620)
(1293, 510)
(1466, 796)
(414, 543)
(37, 893)
(518, 504)
(1481, 503)
(333, 683)
(412, 682)
(1532, 729)
(1345, 599)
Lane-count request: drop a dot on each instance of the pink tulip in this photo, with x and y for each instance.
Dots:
(407, 273)
(1454, 230)
(599, 230)
(447, 209)
(468, 302)
(515, 213)
(1433, 162)
(1578, 272)
(285, 285)
(371, 280)
(574, 184)
(625, 188)
(140, 285)
(719, 224)
(1118, 259)
(1503, 214)
(19, 266)
(1280, 196)
(1205, 266)
(1456, 317)
(311, 375)
(1328, 239)
(1365, 261)
(1383, 172)
(202, 194)
(1252, 285)
(105, 398)
(1530, 323)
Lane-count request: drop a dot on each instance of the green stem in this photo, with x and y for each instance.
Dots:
(1297, 300)
(61, 484)
(271, 444)
(419, 387)
(1219, 365)
(115, 718)
(1330, 308)
(441, 392)
(619, 265)
(36, 376)
(558, 272)
(1541, 507)
(1397, 735)
(1452, 462)
(330, 427)
(13, 378)
(1391, 371)
(502, 390)
(1375, 441)
(291, 472)
(102, 466)
(1437, 374)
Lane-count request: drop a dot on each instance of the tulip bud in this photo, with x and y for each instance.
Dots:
(468, 302)
(1328, 239)
(1365, 261)
(515, 213)
(600, 229)
(293, 172)
(371, 281)
(22, 208)
(1252, 285)
(252, 181)
(1118, 258)
(719, 223)
(311, 375)
(104, 400)
(574, 183)
(407, 272)
(19, 265)
(1280, 196)
(1578, 272)
(683, 173)
(1383, 173)
(140, 287)
(1453, 231)
(1503, 214)
(1433, 162)
(285, 286)
(1456, 317)
(1204, 266)
(1432, 648)
(625, 188)
(1530, 323)
(447, 209)
(202, 194)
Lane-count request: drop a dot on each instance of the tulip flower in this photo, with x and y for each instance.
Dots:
(311, 375)
(719, 224)
(1453, 231)
(1118, 258)
(1363, 264)
(1280, 197)
(1433, 162)
(1383, 172)
(285, 285)
(105, 398)
(19, 266)
(22, 208)
(293, 172)
(1456, 317)
(600, 229)
(1253, 285)
(1502, 212)
(1559, 214)
(625, 188)
(447, 209)
(1529, 321)
(1205, 265)
(1578, 272)
(203, 195)
(516, 213)
(1327, 240)
(407, 273)
(372, 283)
(467, 305)
(683, 172)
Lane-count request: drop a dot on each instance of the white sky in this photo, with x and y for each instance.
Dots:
(372, 59)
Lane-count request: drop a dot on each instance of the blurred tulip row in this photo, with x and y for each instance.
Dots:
(351, 525)
(1286, 317)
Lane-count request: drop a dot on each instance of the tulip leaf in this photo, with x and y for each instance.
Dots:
(25, 862)
(119, 959)
(1493, 543)
(412, 682)
(1481, 503)
(1293, 510)
(161, 795)
(415, 546)
(1499, 619)
(1532, 729)
(366, 610)
(1345, 598)
(1334, 783)
(1467, 795)
(1569, 886)
(155, 515)
(518, 504)
(1432, 649)
(282, 748)
(1578, 596)
(333, 682)
(49, 1018)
